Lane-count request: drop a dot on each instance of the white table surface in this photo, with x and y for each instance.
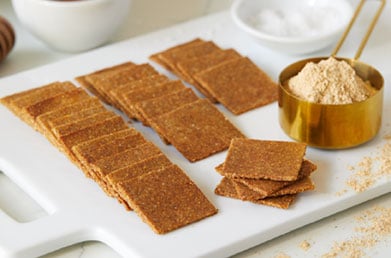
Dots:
(146, 16)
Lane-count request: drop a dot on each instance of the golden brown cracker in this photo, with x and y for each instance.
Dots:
(171, 58)
(80, 115)
(197, 129)
(190, 67)
(239, 85)
(150, 108)
(156, 162)
(110, 80)
(125, 158)
(108, 126)
(156, 57)
(301, 185)
(58, 101)
(135, 96)
(78, 125)
(274, 160)
(267, 187)
(282, 202)
(43, 120)
(113, 147)
(90, 87)
(227, 188)
(149, 81)
(166, 199)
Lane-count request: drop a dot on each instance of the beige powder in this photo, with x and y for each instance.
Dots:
(329, 82)
(375, 225)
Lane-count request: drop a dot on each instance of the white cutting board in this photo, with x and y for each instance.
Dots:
(79, 211)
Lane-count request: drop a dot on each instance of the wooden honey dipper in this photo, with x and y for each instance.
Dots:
(7, 38)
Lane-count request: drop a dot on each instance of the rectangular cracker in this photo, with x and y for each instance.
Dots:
(17, 103)
(156, 162)
(156, 57)
(226, 188)
(55, 102)
(148, 109)
(197, 129)
(44, 119)
(113, 147)
(133, 97)
(188, 68)
(274, 160)
(149, 81)
(85, 84)
(108, 126)
(166, 199)
(103, 83)
(105, 166)
(78, 125)
(239, 85)
(267, 187)
(171, 58)
(73, 117)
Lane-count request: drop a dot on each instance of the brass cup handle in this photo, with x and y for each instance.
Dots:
(368, 32)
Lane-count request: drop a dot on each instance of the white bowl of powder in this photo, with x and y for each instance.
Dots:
(295, 27)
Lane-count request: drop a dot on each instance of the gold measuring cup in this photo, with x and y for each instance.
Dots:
(333, 126)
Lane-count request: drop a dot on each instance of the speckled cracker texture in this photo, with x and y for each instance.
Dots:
(197, 130)
(239, 85)
(166, 199)
(275, 160)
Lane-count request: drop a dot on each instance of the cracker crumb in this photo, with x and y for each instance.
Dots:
(305, 245)
(282, 255)
(370, 169)
(375, 224)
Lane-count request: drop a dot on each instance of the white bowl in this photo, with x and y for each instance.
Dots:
(72, 26)
(295, 27)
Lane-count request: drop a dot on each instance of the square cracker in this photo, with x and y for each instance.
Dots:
(132, 97)
(197, 129)
(103, 83)
(50, 104)
(171, 58)
(44, 119)
(105, 150)
(118, 92)
(274, 160)
(190, 67)
(156, 162)
(267, 187)
(101, 128)
(148, 109)
(239, 85)
(156, 57)
(90, 87)
(18, 102)
(106, 165)
(166, 199)
(226, 188)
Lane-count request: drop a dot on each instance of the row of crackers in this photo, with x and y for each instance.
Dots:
(116, 156)
(193, 125)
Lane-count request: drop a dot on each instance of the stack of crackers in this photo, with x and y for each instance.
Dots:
(194, 126)
(222, 75)
(265, 172)
(116, 156)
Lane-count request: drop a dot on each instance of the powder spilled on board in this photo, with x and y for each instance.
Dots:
(371, 169)
(329, 82)
(375, 225)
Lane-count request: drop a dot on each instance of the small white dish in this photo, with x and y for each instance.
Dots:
(72, 26)
(294, 27)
